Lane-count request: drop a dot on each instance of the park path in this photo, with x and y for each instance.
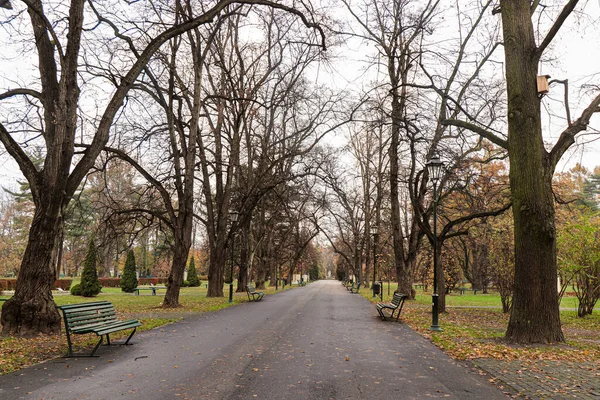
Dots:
(314, 342)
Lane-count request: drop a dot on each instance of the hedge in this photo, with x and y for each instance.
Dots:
(110, 282)
(11, 283)
(116, 282)
(65, 283)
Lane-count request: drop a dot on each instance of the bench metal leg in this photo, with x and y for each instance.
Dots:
(126, 343)
(71, 355)
(70, 344)
(96, 348)
(130, 336)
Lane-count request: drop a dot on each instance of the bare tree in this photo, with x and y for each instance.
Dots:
(58, 34)
(535, 315)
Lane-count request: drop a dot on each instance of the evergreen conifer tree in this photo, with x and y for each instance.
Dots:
(192, 274)
(90, 285)
(129, 279)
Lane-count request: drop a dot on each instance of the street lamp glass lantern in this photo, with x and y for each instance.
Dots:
(374, 230)
(234, 216)
(435, 166)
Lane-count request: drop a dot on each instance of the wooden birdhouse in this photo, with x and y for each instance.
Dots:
(542, 84)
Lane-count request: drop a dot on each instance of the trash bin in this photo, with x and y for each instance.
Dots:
(376, 288)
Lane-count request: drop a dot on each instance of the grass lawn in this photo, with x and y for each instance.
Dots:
(473, 328)
(16, 353)
(484, 300)
(473, 332)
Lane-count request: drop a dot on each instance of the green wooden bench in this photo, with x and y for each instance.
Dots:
(97, 317)
(153, 288)
(396, 304)
(355, 288)
(253, 295)
(349, 285)
(463, 290)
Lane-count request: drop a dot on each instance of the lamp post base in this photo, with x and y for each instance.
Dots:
(435, 313)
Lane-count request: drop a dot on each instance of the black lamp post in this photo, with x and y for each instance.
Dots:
(374, 232)
(233, 216)
(435, 167)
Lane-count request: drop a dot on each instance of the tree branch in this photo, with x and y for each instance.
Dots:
(565, 83)
(161, 189)
(115, 103)
(25, 165)
(493, 213)
(567, 137)
(562, 17)
(479, 130)
(21, 91)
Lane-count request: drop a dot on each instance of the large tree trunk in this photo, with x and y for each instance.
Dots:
(535, 316)
(244, 244)
(31, 310)
(215, 272)
(273, 272)
(405, 278)
(261, 273)
(181, 250)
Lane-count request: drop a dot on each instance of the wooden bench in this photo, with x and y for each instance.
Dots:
(98, 317)
(253, 295)
(349, 285)
(355, 287)
(153, 288)
(462, 290)
(396, 304)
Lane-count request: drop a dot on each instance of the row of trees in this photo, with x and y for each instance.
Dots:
(166, 87)
(211, 106)
(451, 100)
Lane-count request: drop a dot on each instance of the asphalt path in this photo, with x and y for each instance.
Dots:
(314, 342)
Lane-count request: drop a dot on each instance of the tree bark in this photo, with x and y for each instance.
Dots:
(244, 244)
(181, 250)
(31, 310)
(215, 271)
(535, 316)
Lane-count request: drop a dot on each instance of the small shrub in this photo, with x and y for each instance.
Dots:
(192, 274)
(76, 290)
(90, 285)
(185, 284)
(129, 279)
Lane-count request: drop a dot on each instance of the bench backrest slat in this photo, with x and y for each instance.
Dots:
(251, 288)
(397, 298)
(76, 315)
